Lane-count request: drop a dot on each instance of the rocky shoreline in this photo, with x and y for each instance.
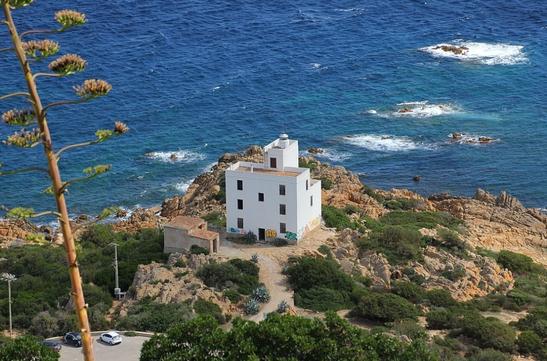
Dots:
(492, 222)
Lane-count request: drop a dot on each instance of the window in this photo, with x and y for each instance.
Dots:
(311, 201)
(273, 162)
(261, 197)
(281, 189)
(307, 184)
(240, 204)
(239, 185)
(282, 228)
(240, 223)
(282, 209)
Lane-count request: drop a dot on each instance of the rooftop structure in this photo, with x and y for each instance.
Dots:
(183, 232)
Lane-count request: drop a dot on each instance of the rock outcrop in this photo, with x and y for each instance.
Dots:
(176, 282)
(15, 232)
(498, 223)
(139, 219)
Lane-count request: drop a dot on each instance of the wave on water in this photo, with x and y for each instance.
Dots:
(178, 156)
(333, 155)
(418, 109)
(464, 138)
(482, 53)
(385, 143)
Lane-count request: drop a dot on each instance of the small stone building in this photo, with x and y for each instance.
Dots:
(182, 232)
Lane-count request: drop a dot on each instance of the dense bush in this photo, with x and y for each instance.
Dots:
(319, 284)
(195, 249)
(535, 320)
(26, 349)
(489, 333)
(490, 355)
(280, 242)
(385, 307)
(451, 239)
(237, 273)
(204, 308)
(216, 219)
(419, 220)
(43, 284)
(232, 295)
(150, 316)
(397, 243)
(280, 337)
(529, 343)
(515, 262)
(336, 218)
(440, 297)
(401, 204)
(410, 328)
(326, 183)
(409, 290)
(441, 318)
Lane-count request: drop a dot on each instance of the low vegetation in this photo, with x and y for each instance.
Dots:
(42, 291)
(280, 337)
(236, 274)
(149, 316)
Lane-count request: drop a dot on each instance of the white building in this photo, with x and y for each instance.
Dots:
(273, 199)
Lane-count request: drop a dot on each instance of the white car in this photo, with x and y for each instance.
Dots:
(111, 338)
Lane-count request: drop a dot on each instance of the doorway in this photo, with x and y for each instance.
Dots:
(273, 162)
(261, 234)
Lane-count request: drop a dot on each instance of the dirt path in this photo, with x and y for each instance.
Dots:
(270, 261)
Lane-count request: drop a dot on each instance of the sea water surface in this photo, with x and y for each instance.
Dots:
(200, 78)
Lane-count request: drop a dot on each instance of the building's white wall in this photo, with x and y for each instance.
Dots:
(300, 215)
(257, 214)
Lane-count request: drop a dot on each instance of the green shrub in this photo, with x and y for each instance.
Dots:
(243, 274)
(490, 355)
(322, 299)
(26, 348)
(515, 262)
(451, 239)
(409, 290)
(216, 218)
(150, 316)
(385, 307)
(419, 220)
(204, 308)
(232, 295)
(441, 319)
(454, 274)
(180, 263)
(401, 204)
(529, 343)
(100, 235)
(319, 284)
(398, 244)
(410, 328)
(305, 163)
(489, 333)
(195, 249)
(336, 218)
(324, 249)
(535, 320)
(372, 193)
(440, 297)
(326, 183)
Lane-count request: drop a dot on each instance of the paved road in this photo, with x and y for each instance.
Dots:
(128, 350)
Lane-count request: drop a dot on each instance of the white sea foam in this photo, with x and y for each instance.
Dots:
(472, 139)
(333, 155)
(183, 186)
(422, 109)
(184, 156)
(483, 53)
(385, 143)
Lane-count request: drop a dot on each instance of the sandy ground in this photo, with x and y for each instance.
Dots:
(271, 261)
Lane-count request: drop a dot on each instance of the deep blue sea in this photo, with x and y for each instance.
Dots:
(201, 78)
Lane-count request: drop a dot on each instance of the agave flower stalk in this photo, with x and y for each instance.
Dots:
(57, 183)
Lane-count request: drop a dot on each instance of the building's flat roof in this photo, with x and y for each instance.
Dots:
(268, 171)
(185, 222)
(204, 234)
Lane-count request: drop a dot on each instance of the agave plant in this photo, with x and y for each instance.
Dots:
(282, 307)
(251, 307)
(261, 294)
(27, 51)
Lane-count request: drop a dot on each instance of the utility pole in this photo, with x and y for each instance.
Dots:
(9, 278)
(117, 290)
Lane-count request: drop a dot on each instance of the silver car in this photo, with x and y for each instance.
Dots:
(111, 338)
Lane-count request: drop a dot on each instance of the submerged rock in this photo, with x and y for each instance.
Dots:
(315, 150)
